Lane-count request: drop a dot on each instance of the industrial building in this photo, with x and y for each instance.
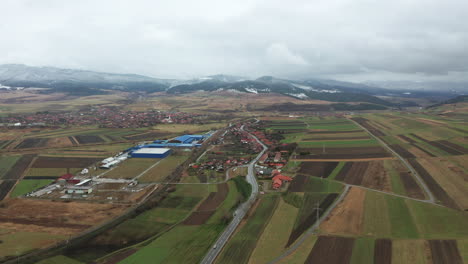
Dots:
(155, 153)
(185, 141)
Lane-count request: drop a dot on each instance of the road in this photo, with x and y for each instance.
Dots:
(240, 211)
(407, 165)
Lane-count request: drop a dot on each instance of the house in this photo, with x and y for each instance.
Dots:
(278, 180)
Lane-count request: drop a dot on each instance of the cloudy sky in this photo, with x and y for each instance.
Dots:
(342, 39)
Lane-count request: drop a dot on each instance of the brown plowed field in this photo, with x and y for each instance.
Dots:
(337, 138)
(317, 169)
(407, 139)
(59, 162)
(445, 251)
(88, 139)
(347, 217)
(402, 151)
(20, 166)
(311, 218)
(208, 206)
(331, 250)
(435, 188)
(73, 141)
(365, 123)
(411, 186)
(424, 150)
(343, 153)
(298, 183)
(438, 145)
(454, 146)
(198, 218)
(376, 177)
(353, 173)
(5, 188)
(215, 198)
(32, 143)
(334, 132)
(383, 251)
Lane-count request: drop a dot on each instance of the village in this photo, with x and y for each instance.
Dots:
(103, 116)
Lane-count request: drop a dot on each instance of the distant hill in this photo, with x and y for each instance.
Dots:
(83, 82)
(458, 99)
(79, 82)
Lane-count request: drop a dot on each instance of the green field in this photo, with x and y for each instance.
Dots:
(241, 245)
(163, 169)
(29, 241)
(6, 162)
(60, 259)
(339, 143)
(274, 239)
(318, 185)
(26, 186)
(363, 251)
(131, 168)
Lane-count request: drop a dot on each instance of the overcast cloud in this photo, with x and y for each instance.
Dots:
(344, 39)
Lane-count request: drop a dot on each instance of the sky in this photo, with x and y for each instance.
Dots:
(354, 40)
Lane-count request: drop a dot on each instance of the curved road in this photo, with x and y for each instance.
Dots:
(416, 175)
(240, 211)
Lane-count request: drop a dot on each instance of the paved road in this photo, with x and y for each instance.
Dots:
(416, 175)
(240, 211)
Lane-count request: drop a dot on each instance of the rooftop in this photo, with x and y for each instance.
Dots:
(151, 151)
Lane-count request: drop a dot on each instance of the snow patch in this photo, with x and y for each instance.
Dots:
(299, 95)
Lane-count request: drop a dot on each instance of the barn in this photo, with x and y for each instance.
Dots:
(155, 153)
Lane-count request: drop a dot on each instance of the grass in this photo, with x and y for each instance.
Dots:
(131, 168)
(300, 255)
(29, 241)
(6, 162)
(336, 170)
(363, 251)
(241, 245)
(243, 186)
(376, 216)
(163, 169)
(308, 205)
(395, 180)
(436, 222)
(409, 251)
(463, 247)
(339, 143)
(276, 234)
(402, 224)
(233, 198)
(26, 186)
(315, 184)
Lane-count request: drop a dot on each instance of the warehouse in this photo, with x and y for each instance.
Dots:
(157, 153)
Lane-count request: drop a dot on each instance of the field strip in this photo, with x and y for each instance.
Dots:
(367, 159)
(311, 230)
(421, 182)
(145, 171)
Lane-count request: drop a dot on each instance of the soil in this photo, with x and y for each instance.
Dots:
(445, 251)
(333, 132)
(347, 217)
(39, 215)
(411, 186)
(383, 251)
(208, 207)
(355, 174)
(435, 188)
(343, 153)
(402, 151)
(198, 218)
(317, 169)
(59, 162)
(331, 250)
(88, 139)
(297, 184)
(32, 143)
(376, 177)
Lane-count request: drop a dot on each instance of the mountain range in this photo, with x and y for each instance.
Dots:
(83, 82)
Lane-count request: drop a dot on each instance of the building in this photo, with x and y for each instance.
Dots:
(278, 180)
(79, 190)
(155, 153)
(185, 141)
